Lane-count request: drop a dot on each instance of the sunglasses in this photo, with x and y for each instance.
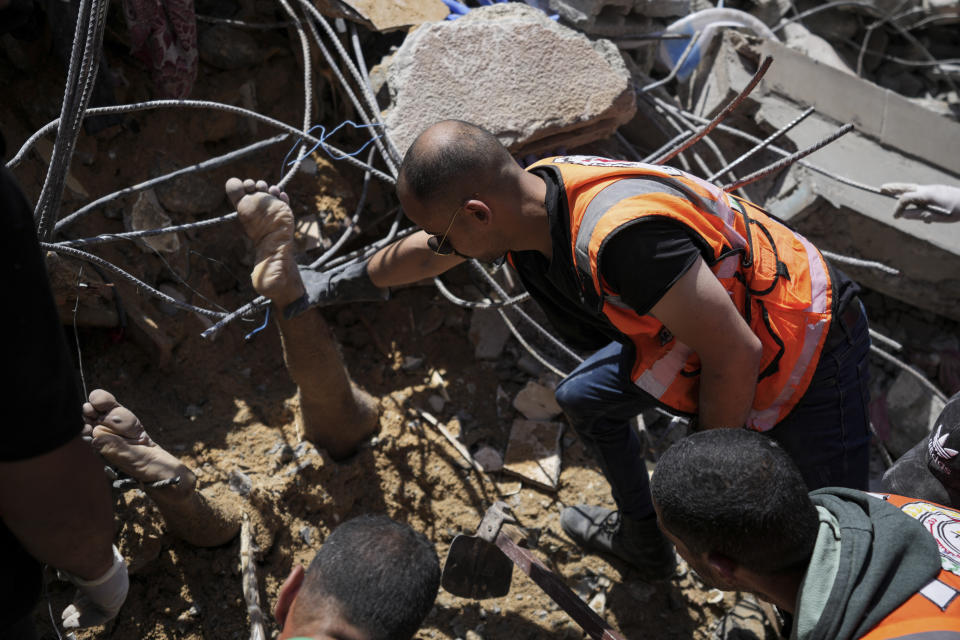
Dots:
(438, 243)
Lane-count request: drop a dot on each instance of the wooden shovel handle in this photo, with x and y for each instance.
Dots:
(596, 627)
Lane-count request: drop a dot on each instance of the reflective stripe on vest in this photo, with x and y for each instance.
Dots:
(665, 378)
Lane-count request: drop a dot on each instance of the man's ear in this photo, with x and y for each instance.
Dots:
(724, 569)
(288, 593)
(478, 209)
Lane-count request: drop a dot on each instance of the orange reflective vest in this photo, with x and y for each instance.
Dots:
(933, 613)
(775, 277)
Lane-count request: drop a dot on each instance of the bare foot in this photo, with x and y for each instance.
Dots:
(265, 214)
(121, 439)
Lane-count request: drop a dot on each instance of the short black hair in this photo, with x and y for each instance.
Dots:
(469, 157)
(736, 492)
(382, 574)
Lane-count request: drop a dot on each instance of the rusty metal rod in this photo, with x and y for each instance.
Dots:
(761, 71)
(789, 160)
(763, 145)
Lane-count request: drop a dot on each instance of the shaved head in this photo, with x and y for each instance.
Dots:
(450, 160)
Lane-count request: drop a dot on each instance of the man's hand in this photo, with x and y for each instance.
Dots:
(938, 195)
(97, 600)
(328, 287)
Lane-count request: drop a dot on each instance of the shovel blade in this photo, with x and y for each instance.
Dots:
(476, 569)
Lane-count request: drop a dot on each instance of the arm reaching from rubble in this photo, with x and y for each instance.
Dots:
(916, 195)
(729, 351)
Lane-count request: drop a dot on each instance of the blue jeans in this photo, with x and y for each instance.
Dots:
(827, 433)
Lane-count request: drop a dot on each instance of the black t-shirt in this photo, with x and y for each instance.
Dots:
(42, 384)
(643, 260)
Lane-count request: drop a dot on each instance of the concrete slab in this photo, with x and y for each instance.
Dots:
(836, 216)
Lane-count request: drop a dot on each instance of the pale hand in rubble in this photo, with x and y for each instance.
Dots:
(97, 600)
(916, 195)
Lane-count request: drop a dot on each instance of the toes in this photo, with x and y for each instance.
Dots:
(249, 185)
(277, 193)
(262, 185)
(123, 422)
(101, 401)
(235, 190)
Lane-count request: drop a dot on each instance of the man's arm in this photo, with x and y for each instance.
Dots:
(699, 313)
(58, 505)
(408, 260)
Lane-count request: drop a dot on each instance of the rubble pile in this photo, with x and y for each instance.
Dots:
(628, 79)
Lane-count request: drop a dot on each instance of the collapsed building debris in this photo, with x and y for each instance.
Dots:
(895, 140)
(494, 63)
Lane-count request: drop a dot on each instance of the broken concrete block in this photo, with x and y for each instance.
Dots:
(537, 402)
(488, 333)
(801, 39)
(148, 213)
(489, 458)
(385, 16)
(535, 84)
(912, 410)
(533, 452)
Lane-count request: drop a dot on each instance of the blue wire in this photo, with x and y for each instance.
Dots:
(266, 319)
(324, 135)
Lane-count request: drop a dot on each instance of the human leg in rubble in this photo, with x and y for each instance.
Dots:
(334, 413)
(123, 441)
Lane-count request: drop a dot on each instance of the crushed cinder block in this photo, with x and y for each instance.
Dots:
(537, 402)
(537, 85)
(533, 452)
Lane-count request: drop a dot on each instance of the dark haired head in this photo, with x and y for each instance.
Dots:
(450, 160)
(382, 576)
(737, 493)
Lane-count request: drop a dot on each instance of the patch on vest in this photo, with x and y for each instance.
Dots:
(944, 525)
(596, 161)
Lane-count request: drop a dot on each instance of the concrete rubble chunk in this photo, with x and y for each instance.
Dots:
(533, 452)
(148, 213)
(912, 411)
(895, 141)
(536, 402)
(535, 84)
(385, 16)
(489, 458)
(488, 333)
